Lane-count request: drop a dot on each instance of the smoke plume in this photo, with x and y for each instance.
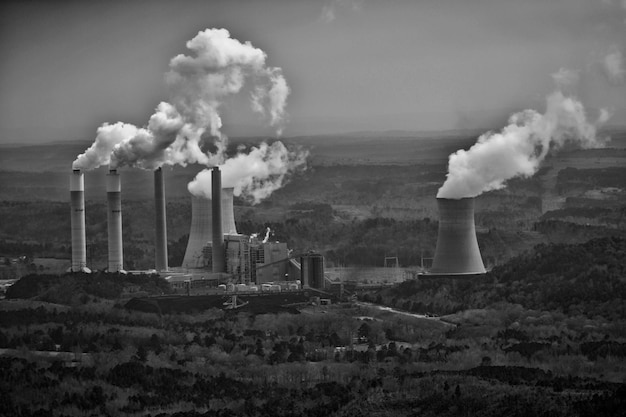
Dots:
(217, 67)
(254, 175)
(267, 235)
(99, 153)
(519, 149)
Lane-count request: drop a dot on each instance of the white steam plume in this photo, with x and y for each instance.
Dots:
(519, 149)
(217, 67)
(149, 147)
(99, 153)
(267, 235)
(255, 175)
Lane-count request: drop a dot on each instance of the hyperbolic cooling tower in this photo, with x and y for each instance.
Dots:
(77, 202)
(161, 225)
(201, 232)
(457, 250)
(114, 216)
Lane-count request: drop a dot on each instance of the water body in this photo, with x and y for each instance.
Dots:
(403, 313)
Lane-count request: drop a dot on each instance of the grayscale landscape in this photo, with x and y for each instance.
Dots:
(325, 208)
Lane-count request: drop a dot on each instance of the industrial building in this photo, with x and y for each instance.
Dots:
(216, 253)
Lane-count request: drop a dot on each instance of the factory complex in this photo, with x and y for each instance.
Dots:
(217, 256)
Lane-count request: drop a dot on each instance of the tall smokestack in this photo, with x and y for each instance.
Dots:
(77, 202)
(457, 250)
(114, 216)
(161, 225)
(218, 236)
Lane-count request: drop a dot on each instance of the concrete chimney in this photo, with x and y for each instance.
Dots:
(218, 235)
(457, 250)
(161, 225)
(77, 202)
(114, 216)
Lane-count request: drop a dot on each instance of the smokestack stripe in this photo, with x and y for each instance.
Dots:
(114, 217)
(77, 202)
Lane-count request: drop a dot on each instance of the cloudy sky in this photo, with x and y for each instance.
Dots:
(352, 65)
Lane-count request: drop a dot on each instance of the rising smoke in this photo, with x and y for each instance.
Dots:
(519, 149)
(218, 67)
(99, 153)
(254, 175)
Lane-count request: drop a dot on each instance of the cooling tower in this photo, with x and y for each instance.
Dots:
(218, 235)
(114, 217)
(161, 225)
(201, 231)
(77, 202)
(228, 213)
(457, 250)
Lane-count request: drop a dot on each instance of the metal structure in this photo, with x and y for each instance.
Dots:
(77, 203)
(312, 265)
(457, 251)
(114, 217)
(161, 224)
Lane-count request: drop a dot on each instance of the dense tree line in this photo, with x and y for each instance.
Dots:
(132, 387)
(584, 277)
(68, 288)
(570, 178)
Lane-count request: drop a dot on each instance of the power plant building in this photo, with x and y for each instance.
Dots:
(312, 266)
(269, 262)
(237, 252)
(242, 260)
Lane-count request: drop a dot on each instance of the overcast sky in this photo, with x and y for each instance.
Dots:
(69, 66)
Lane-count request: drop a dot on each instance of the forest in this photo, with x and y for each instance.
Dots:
(543, 334)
